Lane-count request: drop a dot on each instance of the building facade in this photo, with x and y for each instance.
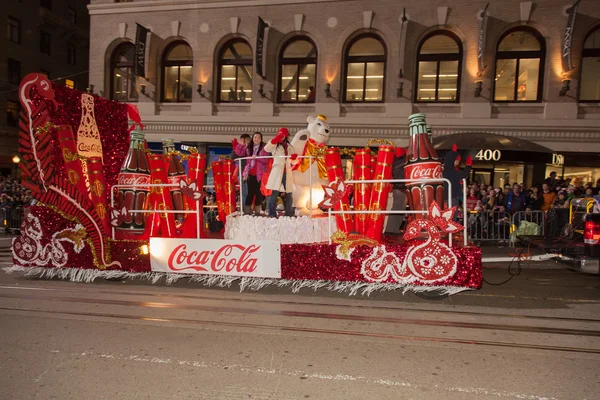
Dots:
(366, 65)
(46, 36)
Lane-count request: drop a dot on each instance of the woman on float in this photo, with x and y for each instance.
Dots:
(280, 179)
(253, 171)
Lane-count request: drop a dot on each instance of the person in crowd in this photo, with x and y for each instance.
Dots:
(280, 179)
(492, 200)
(561, 200)
(455, 175)
(589, 193)
(471, 200)
(548, 197)
(515, 201)
(253, 171)
(535, 199)
(551, 181)
(395, 221)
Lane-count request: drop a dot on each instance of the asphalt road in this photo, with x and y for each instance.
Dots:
(536, 337)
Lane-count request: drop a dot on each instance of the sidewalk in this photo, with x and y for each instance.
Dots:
(494, 255)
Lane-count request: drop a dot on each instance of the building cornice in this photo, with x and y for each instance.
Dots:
(185, 5)
(229, 130)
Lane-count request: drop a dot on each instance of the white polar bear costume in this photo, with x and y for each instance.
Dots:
(307, 142)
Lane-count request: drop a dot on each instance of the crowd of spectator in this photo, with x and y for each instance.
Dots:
(13, 194)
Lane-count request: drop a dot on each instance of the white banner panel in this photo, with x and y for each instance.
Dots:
(257, 259)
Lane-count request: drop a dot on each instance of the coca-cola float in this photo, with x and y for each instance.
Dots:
(109, 208)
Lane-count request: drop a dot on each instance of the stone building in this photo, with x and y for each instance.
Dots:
(366, 65)
(47, 36)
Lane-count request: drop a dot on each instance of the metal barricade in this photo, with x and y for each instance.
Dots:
(11, 219)
(489, 226)
(536, 217)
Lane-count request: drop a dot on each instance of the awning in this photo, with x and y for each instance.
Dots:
(490, 147)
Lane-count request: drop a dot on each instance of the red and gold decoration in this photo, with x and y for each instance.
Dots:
(362, 191)
(72, 160)
(336, 194)
(160, 224)
(99, 191)
(380, 191)
(192, 188)
(229, 189)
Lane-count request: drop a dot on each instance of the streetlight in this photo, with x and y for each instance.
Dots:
(16, 159)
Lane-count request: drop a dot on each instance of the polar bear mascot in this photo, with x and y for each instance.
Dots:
(308, 142)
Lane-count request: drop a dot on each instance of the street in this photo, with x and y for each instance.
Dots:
(537, 337)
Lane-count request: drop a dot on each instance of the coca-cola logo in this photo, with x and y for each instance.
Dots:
(229, 258)
(425, 171)
(89, 148)
(134, 179)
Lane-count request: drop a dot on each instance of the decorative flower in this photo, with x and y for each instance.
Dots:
(334, 192)
(443, 218)
(117, 217)
(191, 190)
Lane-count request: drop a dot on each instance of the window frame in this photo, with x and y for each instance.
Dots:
(221, 62)
(71, 51)
(16, 26)
(114, 64)
(364, 59)
(72, 15)
(43, 34)
(595, 52)
(297, 62)
(14, 63)
(164, 63)
(438, 58)
(518, 56)
(17, 106)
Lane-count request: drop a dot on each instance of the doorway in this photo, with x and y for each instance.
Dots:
(483, 176)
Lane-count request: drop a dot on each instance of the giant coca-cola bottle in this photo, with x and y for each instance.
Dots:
(175, 174)
(422, 162)
(135, 172)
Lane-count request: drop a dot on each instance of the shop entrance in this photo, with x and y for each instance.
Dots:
(483, 176)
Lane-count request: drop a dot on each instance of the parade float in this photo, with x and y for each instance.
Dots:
(107, 207)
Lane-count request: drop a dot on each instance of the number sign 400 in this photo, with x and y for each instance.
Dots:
(488, 155)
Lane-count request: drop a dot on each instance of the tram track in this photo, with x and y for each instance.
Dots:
(317, 315)
(301, 303)
(283, 328)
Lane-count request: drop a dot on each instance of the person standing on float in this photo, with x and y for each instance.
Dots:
(455, 175)
(395, 221)
(280, 179)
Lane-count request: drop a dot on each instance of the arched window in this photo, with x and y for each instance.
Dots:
(177, 63)
(235, 72)
(122, 80)
(519, 66)
(589, 89)
(364, 69)
(438, 68)
(298, 66)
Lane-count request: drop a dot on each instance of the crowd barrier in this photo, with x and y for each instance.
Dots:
(11, 219)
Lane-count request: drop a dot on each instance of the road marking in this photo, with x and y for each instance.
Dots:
(311, 375)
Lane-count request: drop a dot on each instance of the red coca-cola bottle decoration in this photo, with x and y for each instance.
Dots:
(422, 162)
(175, 173)
(136, 174)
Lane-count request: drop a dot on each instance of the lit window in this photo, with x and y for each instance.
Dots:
(123, 83)
(70, 83)
(364, 69)
(14, 30)
(178, 61)
(438, 68)
(235, 72)
(519, 65)
(589, 90)
(298, 61)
